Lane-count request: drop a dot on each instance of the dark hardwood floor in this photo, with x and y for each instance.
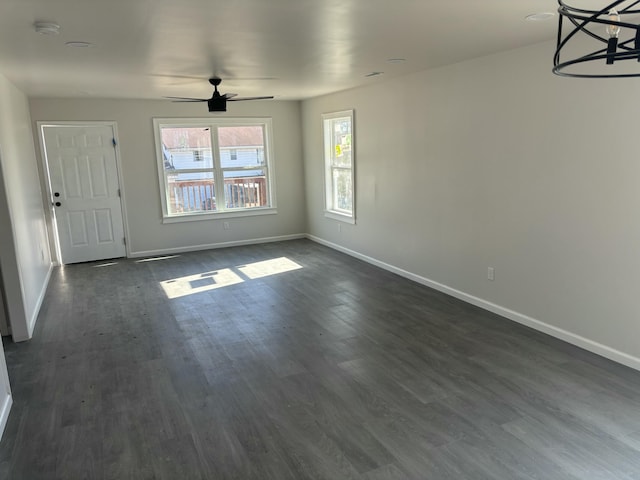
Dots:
(212, 365)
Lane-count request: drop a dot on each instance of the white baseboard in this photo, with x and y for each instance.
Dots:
(36, 311)
(195, 248)
(21, 335)
(569, 337)
(5, 408)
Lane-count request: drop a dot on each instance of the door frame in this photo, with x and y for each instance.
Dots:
(57, 252)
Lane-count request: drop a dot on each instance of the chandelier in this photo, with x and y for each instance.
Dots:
(609, 31)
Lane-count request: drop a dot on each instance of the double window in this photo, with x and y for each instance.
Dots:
(213, 167)
(339, 165)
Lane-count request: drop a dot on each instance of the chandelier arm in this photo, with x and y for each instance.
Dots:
(563, 41)
(626, 42)
(559, 39)
(564, 6)
(627, 10)
(580, 27)
(558, 69)
(602, 39)
(594, 19)
(556, 55)
(600, 56)
(583, 28)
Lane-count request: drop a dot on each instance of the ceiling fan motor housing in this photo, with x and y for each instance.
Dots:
(218, 104)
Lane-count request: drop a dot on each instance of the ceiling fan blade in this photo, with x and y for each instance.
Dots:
(249, 98)
(218, 101)
(187, 99)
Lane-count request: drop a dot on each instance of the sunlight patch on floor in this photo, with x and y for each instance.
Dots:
(201, 282)
(154, 259)
(207, 281)
(269, 267)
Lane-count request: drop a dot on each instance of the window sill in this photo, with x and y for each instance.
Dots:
(341, 217)
(199, 217)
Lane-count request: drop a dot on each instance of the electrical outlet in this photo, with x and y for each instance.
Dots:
(225, 225)
(491, 274)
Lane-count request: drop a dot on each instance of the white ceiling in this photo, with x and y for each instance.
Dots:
(289, 48)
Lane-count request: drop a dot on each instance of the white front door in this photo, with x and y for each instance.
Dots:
(85, 190)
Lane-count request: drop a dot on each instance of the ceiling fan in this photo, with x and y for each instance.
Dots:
(218, 101)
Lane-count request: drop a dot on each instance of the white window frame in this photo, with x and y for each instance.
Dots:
(331, 211)
(217, 169)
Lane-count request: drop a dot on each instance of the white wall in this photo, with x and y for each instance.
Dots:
(6, 399)
(147, 233)
(4, 321)
(5, 249)
(25, 263)
(24, 256)
(497, 162)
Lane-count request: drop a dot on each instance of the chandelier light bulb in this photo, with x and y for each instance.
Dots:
(613, 30)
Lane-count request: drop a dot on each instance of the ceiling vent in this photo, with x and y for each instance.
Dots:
(47, 28)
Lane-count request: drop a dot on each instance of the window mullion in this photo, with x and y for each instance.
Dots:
(191, 170)
(218, 175)
(248, 167)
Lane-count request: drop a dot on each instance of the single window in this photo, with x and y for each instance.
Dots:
(339, 165)
(212, 167)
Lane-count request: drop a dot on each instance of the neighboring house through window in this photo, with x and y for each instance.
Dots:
(200, 179)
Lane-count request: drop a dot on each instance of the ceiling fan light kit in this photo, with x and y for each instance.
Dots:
(218, 101)
(616, 37)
